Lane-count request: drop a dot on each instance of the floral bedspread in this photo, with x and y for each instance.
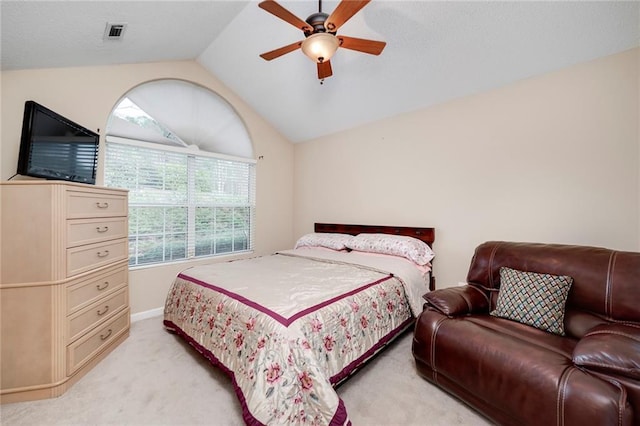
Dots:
(286, 328)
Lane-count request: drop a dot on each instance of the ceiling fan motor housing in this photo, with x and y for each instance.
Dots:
(317, 20)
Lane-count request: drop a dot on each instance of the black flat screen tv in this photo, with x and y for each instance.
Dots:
(54, 147)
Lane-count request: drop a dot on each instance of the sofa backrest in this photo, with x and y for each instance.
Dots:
(606, 283)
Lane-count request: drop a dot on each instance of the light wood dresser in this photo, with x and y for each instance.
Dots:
(64, 293)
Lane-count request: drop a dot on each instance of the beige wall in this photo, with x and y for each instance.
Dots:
(87, 95)
(553, 158)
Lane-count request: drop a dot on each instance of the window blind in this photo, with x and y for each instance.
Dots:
(183, 204)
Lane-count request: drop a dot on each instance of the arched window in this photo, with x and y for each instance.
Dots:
(187, 160)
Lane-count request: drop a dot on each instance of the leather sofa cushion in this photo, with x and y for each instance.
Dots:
(514, 369)
(526, 334)
(610, 348)
(578, 323)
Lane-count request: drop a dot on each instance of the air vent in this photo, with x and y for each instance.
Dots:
(114, 31)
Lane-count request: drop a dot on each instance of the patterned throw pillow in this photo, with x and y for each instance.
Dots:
(326, 240)
(397, 245)
(534, 299)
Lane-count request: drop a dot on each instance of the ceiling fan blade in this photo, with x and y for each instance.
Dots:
(343, 12)
(281, 51)
(371, 47)
(275, 9)
(324, 70)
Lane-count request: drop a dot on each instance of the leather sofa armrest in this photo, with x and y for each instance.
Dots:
(610, 349)
(455, 301)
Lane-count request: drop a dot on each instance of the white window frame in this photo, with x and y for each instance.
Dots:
(191, 204)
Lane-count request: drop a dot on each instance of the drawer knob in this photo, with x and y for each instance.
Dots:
(102, 229)
(100, 313)
(103, 205)
(102, 286)
(103, 253)
(106, 336)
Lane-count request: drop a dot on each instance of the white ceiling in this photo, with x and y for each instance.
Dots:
(436, 51)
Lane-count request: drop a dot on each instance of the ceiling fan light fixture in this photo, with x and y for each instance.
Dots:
(320, 47)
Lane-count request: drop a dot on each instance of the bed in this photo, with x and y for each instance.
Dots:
(289, 327)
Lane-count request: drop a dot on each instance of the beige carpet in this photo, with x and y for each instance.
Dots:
(154, 378)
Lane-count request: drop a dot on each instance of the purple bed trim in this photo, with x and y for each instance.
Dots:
(282, 320)
(246, 414)
(354, 365)
(237, 297)
(335, 299)
(339, 418)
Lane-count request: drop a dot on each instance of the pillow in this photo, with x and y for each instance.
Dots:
(424, 269)
(408, 247)
(327, 240)
(534, 299)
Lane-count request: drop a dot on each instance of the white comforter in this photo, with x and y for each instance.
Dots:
(287, 327)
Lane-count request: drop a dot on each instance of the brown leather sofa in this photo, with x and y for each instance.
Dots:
(516, 374)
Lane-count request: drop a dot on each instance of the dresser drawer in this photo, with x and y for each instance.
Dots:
(87, 231)
(84, 349)
(87, 204)
(85, 258)
(97, 313)
(84, 292)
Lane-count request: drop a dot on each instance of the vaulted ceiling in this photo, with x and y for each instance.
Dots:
(436, 50)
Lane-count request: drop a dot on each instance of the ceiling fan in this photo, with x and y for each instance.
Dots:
(321, 41)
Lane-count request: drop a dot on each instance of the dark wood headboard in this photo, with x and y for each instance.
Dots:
(428, 235)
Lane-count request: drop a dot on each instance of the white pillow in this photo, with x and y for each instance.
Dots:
(327, 240)
(408, 247)
(424, 269)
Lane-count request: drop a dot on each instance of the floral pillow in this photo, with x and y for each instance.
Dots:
(326, 240)
(534, 299)
(397, 245)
